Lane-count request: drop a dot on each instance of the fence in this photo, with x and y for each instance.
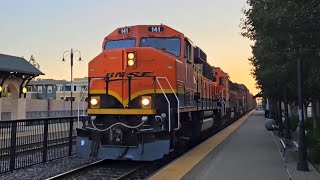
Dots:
(32, 141)
(62, 113)
(43, 114)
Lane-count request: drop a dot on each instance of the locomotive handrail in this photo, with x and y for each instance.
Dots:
(225, 104)
(85, 92)
(167, 102)
(178, 103)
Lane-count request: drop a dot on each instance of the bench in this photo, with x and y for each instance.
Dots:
(275, 127)
(288, 145)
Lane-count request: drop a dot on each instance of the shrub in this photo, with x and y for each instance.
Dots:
(293, 122)
(313, 143)
(308, 123)
(313, 137)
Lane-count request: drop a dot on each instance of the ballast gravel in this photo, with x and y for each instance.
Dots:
(48, 169)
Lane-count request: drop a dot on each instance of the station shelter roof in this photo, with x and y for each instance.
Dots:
(17, 66)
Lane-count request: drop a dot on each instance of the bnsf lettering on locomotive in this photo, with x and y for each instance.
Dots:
(134, 74)
(146, 74)
(109, 74)
(131, 74)
(120, 74)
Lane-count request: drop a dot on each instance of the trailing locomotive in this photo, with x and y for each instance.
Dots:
(151, 91)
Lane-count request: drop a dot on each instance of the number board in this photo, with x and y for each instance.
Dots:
(124, 31)
(155, 29)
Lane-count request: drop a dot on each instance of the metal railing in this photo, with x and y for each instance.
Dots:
(32, 141)
(168, 101)
(82, 99)
(59, 113)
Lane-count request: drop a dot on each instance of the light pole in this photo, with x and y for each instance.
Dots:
(302, 164)
(71, 52)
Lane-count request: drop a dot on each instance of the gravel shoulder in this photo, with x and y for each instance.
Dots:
(48, 169)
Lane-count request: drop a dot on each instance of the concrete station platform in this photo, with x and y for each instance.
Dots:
(244, 151)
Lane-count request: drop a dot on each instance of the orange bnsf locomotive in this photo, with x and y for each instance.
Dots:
(152, 91)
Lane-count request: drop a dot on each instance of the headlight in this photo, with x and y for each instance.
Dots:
(131, 59)
(130, 62)
(146, 101)
(95, 102)
(131, 55)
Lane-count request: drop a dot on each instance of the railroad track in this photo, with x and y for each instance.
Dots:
(111, 170)
(103, 169)
(130, 173)
(118, 170)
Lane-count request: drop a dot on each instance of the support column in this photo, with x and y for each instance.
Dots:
(302, 164)
(22, 108)
(0, 108)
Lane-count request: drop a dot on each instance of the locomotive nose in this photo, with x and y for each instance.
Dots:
(108, 61)
(120, 60)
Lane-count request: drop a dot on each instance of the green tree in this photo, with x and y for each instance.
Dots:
(34, 62)
(283, 32)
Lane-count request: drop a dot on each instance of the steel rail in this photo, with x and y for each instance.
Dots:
(74, 170)
(129, 174)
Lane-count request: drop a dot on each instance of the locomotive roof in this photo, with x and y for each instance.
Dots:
(144, 29)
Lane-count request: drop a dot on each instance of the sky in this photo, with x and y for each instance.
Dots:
(46, 29)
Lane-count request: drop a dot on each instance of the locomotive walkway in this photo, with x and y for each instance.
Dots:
(244, 151)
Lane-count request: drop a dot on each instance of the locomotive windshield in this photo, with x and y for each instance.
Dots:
(171, 45)
(124, 43)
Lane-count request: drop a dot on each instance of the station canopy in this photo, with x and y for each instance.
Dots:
(259, 95)
(12, 66)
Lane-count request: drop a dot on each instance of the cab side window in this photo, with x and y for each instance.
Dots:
(187, 50)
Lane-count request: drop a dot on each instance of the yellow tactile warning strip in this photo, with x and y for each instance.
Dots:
(181, 166)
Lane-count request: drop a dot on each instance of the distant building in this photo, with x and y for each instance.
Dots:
(57, 89)
(43, 89)
(79, 90)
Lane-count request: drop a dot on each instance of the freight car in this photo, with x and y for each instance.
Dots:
(152, 91)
